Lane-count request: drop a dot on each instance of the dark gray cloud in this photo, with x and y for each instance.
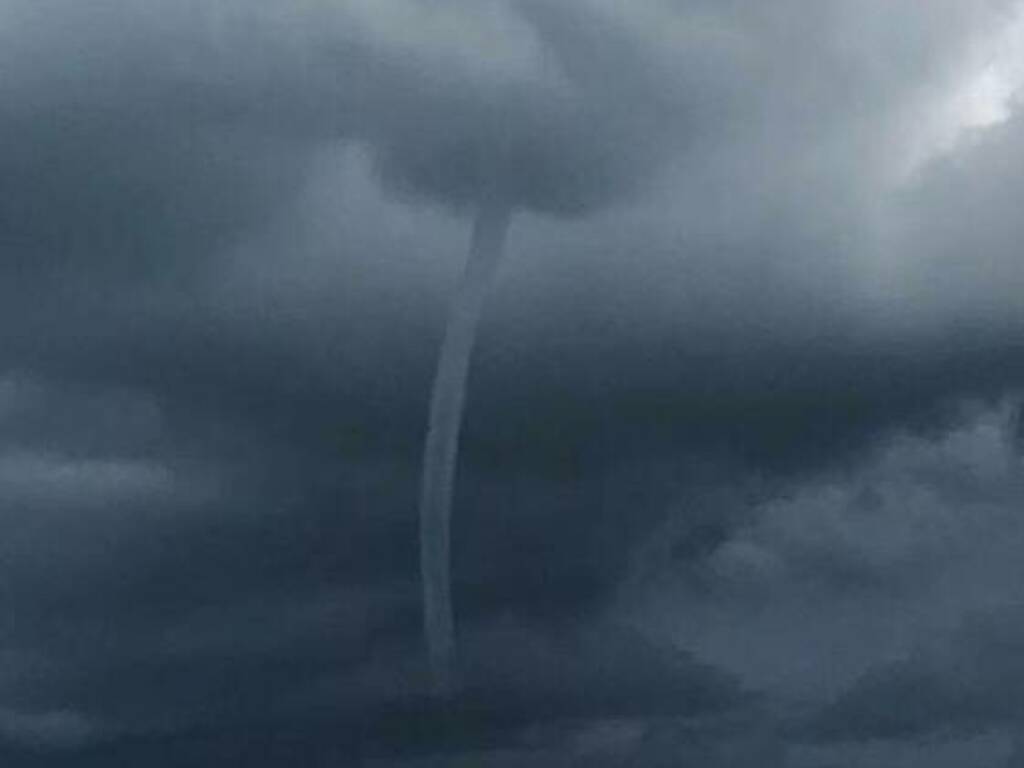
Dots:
(965, 681)
(592, 114)
(752, 407)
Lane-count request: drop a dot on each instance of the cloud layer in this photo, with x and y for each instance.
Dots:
(747, 386)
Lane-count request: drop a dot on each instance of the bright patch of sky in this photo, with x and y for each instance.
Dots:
(981, 96)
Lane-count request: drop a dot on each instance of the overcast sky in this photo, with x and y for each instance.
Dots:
(741, 481)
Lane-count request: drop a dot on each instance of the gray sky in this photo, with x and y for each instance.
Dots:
(741, 476)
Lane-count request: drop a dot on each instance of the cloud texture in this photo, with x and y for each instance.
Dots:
(742, 454)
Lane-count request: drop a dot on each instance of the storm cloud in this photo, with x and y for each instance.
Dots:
(742, 457)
